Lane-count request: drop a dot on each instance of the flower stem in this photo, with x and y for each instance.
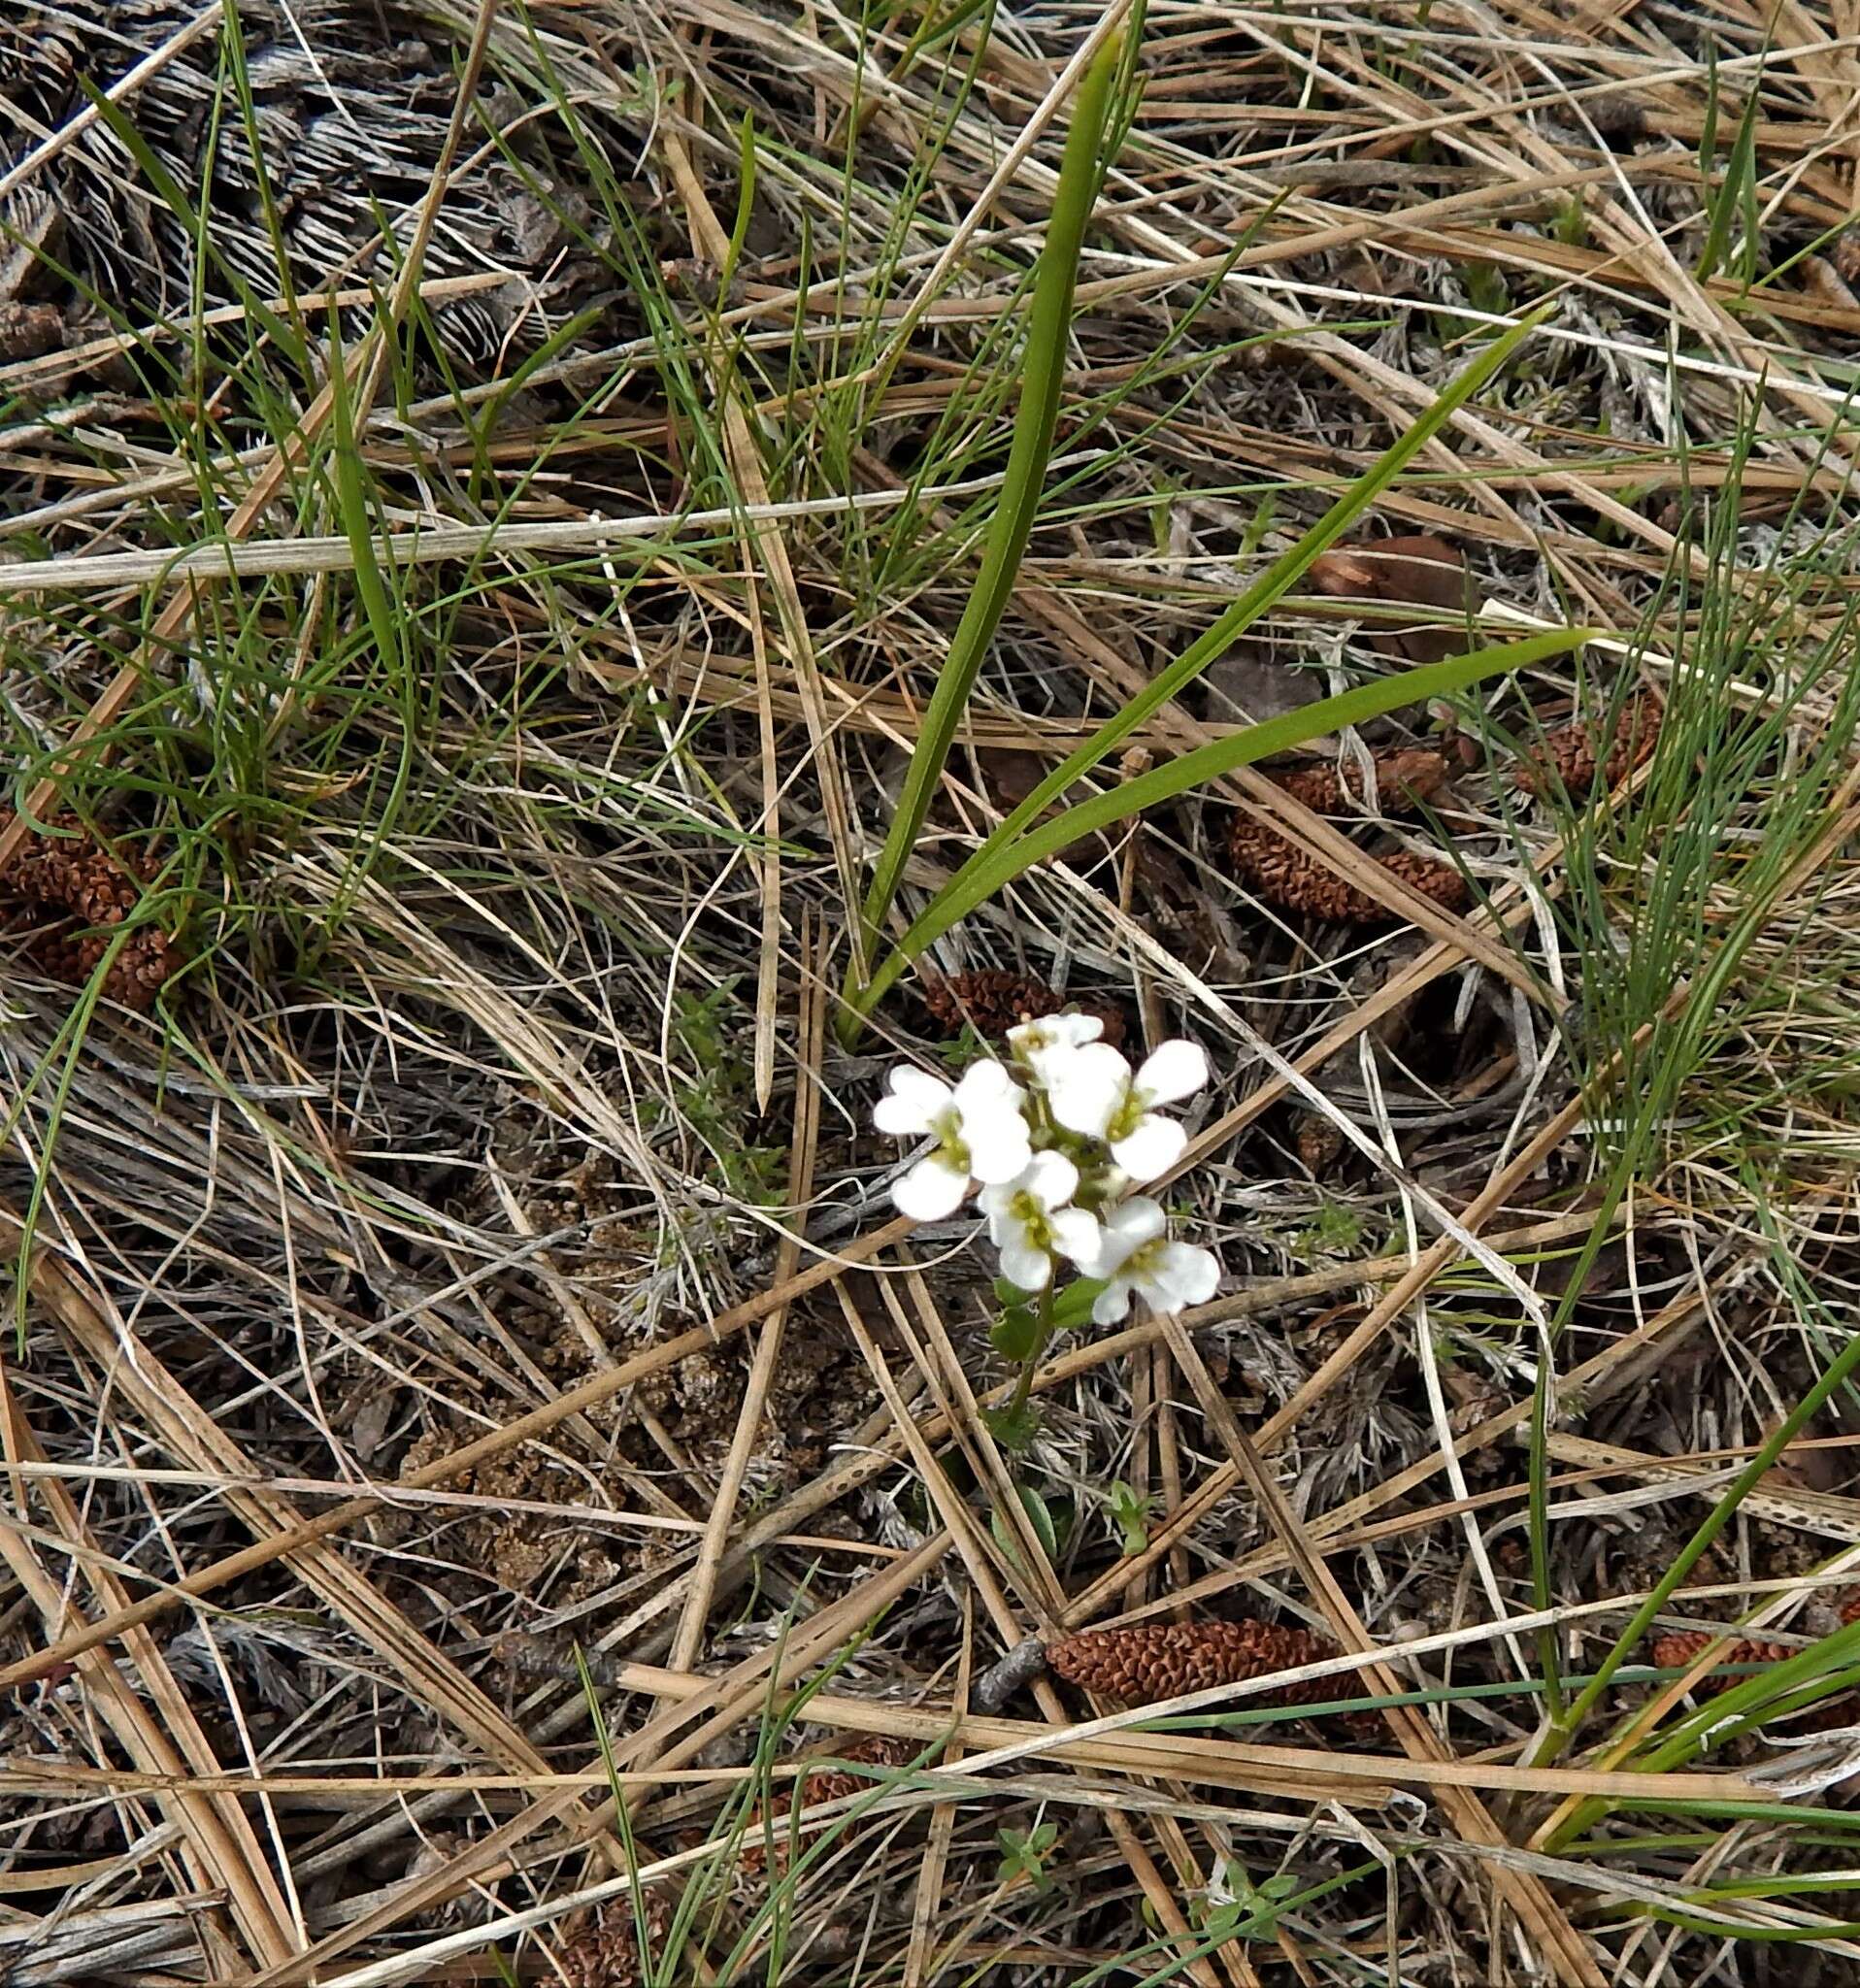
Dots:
(1044, 1325)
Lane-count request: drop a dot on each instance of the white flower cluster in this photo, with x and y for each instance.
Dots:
(1056, 1142)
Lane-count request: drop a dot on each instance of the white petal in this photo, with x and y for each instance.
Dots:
(1087, 1087)
(1177, 1069)
(931, 1190)
(998, 1199)
(1051, 1035)
(915, 1098)
(987, 1086)
(1110, 1304)
(1050, 1179)
(1153, 1149)
(1075, 1234)
(1138, 1221)
(1004, 1226)
(1191, 1276)
(998, 1147)
(1023, 1264)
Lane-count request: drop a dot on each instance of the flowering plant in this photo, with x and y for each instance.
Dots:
(1057, 1137)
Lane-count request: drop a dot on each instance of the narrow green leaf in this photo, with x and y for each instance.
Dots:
(1277, 580)
(744, 207)
(997, 862)
(1043, 375)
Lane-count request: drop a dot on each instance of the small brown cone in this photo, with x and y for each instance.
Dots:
(603, 1949)
(56, 883)
(1682, 1649)
(1282, 874)
(1403, 780)
(1576, 753)
(993, 1000)
(825, 1784)
(1148, 1662)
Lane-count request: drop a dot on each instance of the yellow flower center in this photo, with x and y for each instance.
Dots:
(1128, 1115)
(1028, 1211)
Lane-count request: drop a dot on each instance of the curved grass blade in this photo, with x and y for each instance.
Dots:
(997, 862)
(1277, 579)
(1021, 489)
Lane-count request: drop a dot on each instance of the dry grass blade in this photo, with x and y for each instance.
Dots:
(488, 493)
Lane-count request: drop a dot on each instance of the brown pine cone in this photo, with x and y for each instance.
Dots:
(1845, 255)
(1681, 1650)
(1276, 870)
(1675, 1652)
(1152, 1661)
(993, 1001)
(603, 1950)
(1573, 752)
(57, 883)
(1403, 780)
(826, 1784)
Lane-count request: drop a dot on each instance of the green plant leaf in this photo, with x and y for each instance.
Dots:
(1043, 376)
(1016, 1334)
(998, 863)
(1275, 582)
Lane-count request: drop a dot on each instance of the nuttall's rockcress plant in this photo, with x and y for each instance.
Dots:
(1057, 1138)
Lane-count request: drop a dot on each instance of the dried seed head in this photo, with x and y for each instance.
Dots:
(57, 883)
(992, 1000)
(825, 1784)
(1152, 1661)
(1276, 869)
(1575, 754)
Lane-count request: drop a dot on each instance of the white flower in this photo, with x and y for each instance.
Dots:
(1029, 1221)
(1135, 1255)
(978, 1127)
(1092, 1091)
(1042, 1047)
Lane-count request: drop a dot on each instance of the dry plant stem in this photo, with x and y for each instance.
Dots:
(1340, 1527)
(764, 539)
(1556, 1942)
(964, 1529)
(222, 1847)
(737, 1696)
(689, 1640)
(364, 370)
(52, 1284)
(185, 1430)
(1117, 1743)
(1421, 1273)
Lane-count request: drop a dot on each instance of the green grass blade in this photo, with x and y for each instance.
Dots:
(997, 862)
(1048, 324)
(1277, 580)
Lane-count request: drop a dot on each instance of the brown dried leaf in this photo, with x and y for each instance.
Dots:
(1420, 570)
